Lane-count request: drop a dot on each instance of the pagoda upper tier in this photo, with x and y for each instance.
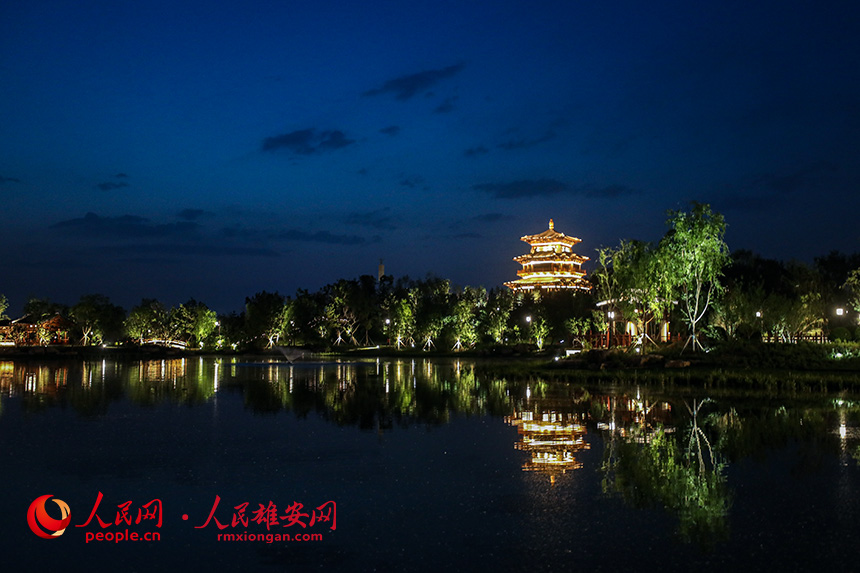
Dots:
(551, 264)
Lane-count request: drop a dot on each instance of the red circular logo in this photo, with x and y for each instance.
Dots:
(43, 524)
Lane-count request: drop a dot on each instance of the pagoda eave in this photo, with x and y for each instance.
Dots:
(549, 284)
(550, 258)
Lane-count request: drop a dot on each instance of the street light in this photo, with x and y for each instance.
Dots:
(611, 330)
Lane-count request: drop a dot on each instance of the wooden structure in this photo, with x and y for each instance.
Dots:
(24, 332)
(551, 264)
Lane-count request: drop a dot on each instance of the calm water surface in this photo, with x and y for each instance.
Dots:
(430, 465)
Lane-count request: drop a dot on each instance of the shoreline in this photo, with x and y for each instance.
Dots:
(744, 364)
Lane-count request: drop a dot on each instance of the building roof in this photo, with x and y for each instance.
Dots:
(550, 257)
(550, 236)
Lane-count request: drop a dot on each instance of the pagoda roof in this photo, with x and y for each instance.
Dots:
(550, 257)
(550, 236)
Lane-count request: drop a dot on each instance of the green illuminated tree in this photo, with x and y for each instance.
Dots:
(579, 327)
(198, 322)
(497, 313)
(266, 317)
(430, 299)
(632, 279)
(692, 256)
(539, 330)
(147, 321)
(853, 287)
(464, 316)
(97, 318)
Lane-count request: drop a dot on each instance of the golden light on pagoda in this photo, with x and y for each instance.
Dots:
(551, 263)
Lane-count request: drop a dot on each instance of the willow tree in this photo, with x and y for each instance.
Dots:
(632, 278)
(693, 255)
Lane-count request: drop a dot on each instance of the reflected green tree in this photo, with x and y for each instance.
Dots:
(682, 474)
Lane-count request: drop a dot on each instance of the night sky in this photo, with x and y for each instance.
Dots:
(177, 149)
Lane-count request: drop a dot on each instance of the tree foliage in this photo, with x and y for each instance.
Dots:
(98, 319)
(692, 257)
(266, 317)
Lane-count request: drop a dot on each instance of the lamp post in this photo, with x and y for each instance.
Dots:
(610, 332)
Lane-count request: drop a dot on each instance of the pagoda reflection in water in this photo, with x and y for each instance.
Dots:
(553, 439)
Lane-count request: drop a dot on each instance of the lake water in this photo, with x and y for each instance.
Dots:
(418, 465)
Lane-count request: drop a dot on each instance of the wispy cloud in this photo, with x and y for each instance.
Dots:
(476, 151)
(308, 141)
(491, 218)
(447, 105)
(523, 188)
(326, 237)
(124, 227)
(406, 87)
(390, 130)
(191, 214)
(378, 219)
(609, 191)
(413, 182)
(8, 180)
(549, 187)
(479, 221)
(111, 185)
(762, 191)
(205, 250)
(524, 142)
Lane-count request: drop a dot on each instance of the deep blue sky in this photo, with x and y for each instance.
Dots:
(214, 149)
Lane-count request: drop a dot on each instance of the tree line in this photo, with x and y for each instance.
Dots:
(687, 278)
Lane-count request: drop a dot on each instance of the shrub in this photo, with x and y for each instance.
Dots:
(840, 334)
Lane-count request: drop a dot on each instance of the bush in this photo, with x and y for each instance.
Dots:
(840, 334)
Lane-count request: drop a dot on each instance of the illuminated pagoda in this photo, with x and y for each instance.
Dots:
(551, 264)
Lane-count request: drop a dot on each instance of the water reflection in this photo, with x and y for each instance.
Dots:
(552, 439)
(649, 466)
(672, 449)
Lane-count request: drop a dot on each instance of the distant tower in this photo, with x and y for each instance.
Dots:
(381, 270)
